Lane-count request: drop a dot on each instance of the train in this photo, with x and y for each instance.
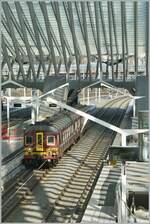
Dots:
(47, 140)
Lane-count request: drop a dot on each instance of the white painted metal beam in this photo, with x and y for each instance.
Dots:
(12, 82)
(123, 132)
(135, 131)
(87, 116)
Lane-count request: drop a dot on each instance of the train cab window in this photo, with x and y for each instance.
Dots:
(39, 140)
(28, 140)
(50, 140)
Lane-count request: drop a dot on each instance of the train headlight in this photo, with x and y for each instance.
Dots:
(29, 149)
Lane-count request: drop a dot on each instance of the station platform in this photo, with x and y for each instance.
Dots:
(101, 207)
(10, 146)
(137, 176)
(137, 187)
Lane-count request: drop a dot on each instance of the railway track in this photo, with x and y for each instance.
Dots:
(82, 179)
(81, 160)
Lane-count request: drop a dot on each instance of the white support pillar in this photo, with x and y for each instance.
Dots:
(33, 115)
(118, 200)
(88, 96)
(8, 116)
(123, 201)
(83, 96)
(83, 76)
(75, 75)
(9, 92)
(34, 106)
(24, 91)
(99, 93)
(123, 140)
(96, 93)
(37, 112)
(67, 77)
(133, 107)
(84, 123)
(117, 92)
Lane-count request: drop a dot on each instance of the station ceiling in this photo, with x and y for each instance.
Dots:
(43, 38)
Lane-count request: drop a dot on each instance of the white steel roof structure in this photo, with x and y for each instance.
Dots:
(41, 38)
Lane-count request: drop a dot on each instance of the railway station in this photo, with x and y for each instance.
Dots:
(75, 111)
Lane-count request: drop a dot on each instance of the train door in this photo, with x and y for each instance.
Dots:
(39, 141)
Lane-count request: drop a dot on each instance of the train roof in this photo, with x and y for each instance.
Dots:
(54, 123)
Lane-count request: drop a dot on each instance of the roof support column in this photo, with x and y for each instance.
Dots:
(36, 32)
(135, 39)
(147, 39)
(7, 58)
(55, 7)
(98, 40)
(115, 35)
(92, 22)
(74, 38)
(86, 38)
(123, 140)
(104, 33)
(13, 37)
(123, 44)
(49, 34)
(126, 40)
(110, 38)
(25, 39)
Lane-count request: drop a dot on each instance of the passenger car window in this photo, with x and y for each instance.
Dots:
(28, 140)
(50, 140)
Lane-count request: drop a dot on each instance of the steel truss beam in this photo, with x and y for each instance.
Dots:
(104, 33)
(86, 38)
(110, 37)
(147, 39)
(37, 36)
(123, 43)
(14, 40)
(77, 54)
(49, 34)
(9, 47)
(5, 24)
(135, 39)
(55, 7)
(115, 35)
(25, 39)
(67, 12)
(98, 40)
(7, 58)
(126, 40)
(79, 19)
(92, 23)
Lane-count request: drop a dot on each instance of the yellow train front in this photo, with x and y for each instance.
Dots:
(47, 140)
